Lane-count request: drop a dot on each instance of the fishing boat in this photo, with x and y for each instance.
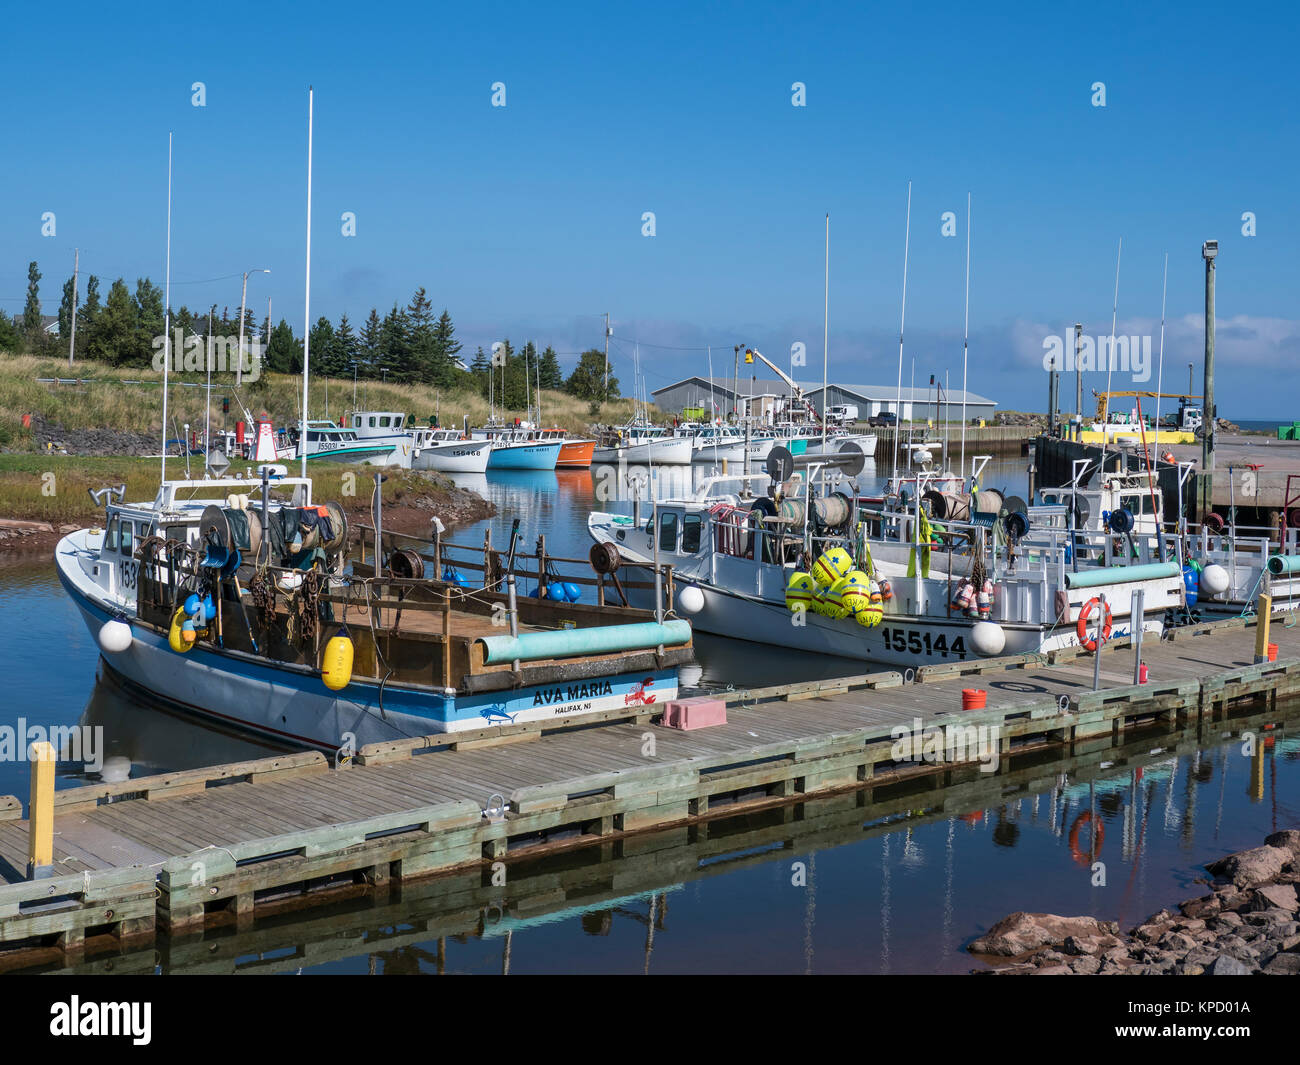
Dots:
(762, 568)
(716, 444)
(448, 451)
(235, 599)
(333, 443)
(385, 427)
(513, 448)
(642, 444)
(575, 453)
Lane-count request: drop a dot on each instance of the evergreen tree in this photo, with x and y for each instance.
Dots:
(395, 347)
(323, 352)
(588, 378)
(149, 320)
(420, 333)
(481, 370)
(11, 340)
(549, 370)
(446, 352)
(371, 334)
(114, 334)
(283, 350)
(32, 308)
(348, 347)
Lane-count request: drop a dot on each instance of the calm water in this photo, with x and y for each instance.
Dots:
(840, 885)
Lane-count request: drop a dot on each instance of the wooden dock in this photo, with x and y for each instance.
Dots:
(179, 852)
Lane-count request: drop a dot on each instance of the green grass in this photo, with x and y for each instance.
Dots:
(108, 401)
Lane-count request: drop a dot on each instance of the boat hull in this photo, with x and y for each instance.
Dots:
(674, 451)
(459, 456)
(575, 454)
(534, 456)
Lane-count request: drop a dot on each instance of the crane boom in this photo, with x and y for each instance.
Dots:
(796, 391)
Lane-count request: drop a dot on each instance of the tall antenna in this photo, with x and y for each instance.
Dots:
(306, 312)
(902, 318)
(167, 308)
(1110, 356)
(965, 344)
(826, 332)
(1160, 371)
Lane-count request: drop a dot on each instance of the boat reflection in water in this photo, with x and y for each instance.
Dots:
(141, 736)
(894, 877)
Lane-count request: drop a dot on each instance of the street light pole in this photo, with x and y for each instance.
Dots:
(1209, 418)
(243, 301)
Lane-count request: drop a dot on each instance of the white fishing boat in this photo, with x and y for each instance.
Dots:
(447, 451)
(385, 427)
(734, 559)
(333, 443)
(639, 443)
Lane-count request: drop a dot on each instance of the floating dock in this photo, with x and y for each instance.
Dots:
(182, 852)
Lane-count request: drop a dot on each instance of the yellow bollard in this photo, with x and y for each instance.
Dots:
(1263, 614)
(40, 822)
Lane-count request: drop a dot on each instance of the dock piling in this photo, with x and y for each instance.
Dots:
(40, 850)
(1264, 612)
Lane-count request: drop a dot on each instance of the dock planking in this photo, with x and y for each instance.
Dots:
(229, 842)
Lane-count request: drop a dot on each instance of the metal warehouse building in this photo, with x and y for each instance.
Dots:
(918, 404)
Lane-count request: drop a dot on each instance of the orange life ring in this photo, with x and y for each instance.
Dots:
(1098, 838)
(1086, 641)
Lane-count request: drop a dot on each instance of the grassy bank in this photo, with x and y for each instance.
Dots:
(54, 488)
(131, 400)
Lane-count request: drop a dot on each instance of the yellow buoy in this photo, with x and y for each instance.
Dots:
(336, 664)
(831, 566)
(176, 635)
(870, 615)
(799, 592)
(834, 598)
(855, 593)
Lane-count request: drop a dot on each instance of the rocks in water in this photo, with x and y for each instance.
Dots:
(1249, 923)
(1022, 932)
(1256, 866)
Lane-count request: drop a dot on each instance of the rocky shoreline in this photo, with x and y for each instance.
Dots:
(1248, 924)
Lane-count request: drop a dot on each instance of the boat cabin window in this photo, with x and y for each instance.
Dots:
(356, 421)
(372, 421)
(668, 531)
(126, 544)
(385, 421)
(110, 534)
(692, 525)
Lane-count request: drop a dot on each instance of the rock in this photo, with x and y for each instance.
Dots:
(1085, 966)
(1249, 868)
(1191, 926)
(1053, 970)
(1226, 921)
(1188, 968)
(1205, 906)
(1089, 945)
(1288, 840)
(1270, 896)
(1022, 932)
(1226, 965)
(1178, 942)
(1283, 965)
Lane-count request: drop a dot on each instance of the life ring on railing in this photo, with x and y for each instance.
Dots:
(1086, 641)
(1098, 838)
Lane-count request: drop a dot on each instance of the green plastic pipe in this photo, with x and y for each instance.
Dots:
(1152, 571)
(1280, 564)
(598, 640)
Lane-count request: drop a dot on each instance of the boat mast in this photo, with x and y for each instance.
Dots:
(306, 314)
(1160, 370)
(1110, 357)
(826, 332)
(965, 344)
(167, 301)
(902, 318)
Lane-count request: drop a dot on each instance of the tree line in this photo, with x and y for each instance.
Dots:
(407, 345)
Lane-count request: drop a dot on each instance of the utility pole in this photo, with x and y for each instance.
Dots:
(606, 356)
(243, 300)
(1209, 250)
(1191, 380)
(76, 263)
(1078, 372)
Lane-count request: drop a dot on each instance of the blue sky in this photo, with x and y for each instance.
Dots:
(525, 221)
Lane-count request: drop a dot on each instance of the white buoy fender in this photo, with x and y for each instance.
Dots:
(987, 638)
(690, 600)
(114, 637)
(1214, 580)
(116, 768)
